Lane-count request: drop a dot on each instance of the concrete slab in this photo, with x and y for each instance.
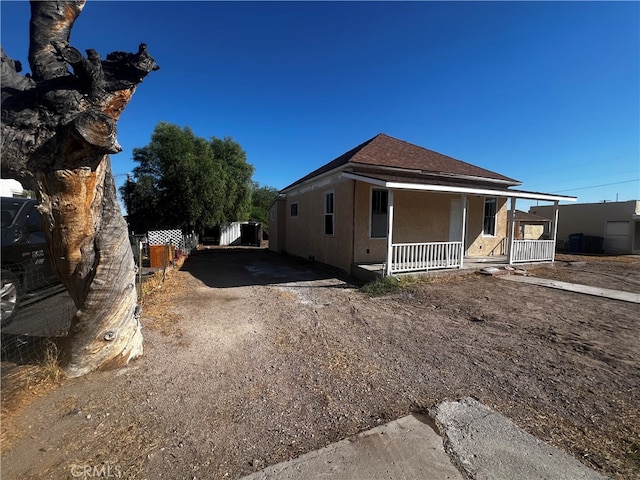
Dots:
(574, 287)
(403, 449)
(478, 443)
(486, 445)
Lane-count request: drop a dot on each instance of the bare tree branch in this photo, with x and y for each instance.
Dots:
(50, 25)
(58, 129)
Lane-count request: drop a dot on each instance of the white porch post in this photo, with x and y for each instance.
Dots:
(512, 227)
(463, 204)
(390, 234)
(554, 234)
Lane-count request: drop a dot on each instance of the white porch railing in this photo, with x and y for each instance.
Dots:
(408, 257)
(532, 250)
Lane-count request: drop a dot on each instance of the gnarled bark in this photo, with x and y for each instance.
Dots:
(58, 129)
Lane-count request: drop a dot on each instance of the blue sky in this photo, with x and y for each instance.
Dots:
(544, 92)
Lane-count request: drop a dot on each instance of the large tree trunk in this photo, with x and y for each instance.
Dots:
(58, 129)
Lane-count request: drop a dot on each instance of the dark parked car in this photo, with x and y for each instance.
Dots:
(26, 269)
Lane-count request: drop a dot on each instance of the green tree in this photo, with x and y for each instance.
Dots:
(141, 200)
(238, 175)
(186, 181)
(261, 199)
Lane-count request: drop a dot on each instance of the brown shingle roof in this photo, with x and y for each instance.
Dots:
(385, 151)
(412, 177)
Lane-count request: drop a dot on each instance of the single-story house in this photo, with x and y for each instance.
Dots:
(616, 226)
(388, 202)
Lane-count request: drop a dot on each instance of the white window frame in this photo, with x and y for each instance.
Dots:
(386, 230)
(495, 217)
(326, 213)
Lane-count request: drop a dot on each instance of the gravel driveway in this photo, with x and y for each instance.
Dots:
(252, 358)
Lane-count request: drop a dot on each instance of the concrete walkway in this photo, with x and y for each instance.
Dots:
(480, 442)
(577, 288)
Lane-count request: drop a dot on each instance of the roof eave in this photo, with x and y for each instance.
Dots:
(426, 187)
(315, 178)
(510, 182)
(447, 175)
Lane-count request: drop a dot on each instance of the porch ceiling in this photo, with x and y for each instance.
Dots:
(416, 183)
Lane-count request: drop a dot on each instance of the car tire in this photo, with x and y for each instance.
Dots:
(9, 296)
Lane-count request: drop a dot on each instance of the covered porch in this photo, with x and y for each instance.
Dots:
(493, 211)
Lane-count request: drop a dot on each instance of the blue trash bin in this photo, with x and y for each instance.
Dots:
(575, 242)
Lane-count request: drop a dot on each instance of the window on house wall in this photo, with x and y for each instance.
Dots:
(379, 213)
(489, 221)
(328, 213)
(273, 214)
(294, 209)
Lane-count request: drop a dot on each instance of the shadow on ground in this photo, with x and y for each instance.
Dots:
(239, 267)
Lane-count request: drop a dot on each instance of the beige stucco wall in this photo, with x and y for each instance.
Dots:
(366, 250)
(421, 216)
(533, 232)
(277, 232)
(479, 245)
(418, 217)
(305, 232)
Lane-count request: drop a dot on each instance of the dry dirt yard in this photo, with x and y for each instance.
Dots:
(252, 359)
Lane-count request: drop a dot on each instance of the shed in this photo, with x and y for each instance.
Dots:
(233, 234)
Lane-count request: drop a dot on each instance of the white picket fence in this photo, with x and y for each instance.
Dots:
(408, 257)
(412, 257)
(532, 250)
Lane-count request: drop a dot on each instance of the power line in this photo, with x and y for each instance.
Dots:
(625, 173)
(596, 186)
(574, 163)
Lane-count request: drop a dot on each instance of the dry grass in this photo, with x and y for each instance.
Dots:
(22, 385)
(152, 282)
(628, 259)
(549, 271)
(31, 378)
(436, 276)
(157, 312)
